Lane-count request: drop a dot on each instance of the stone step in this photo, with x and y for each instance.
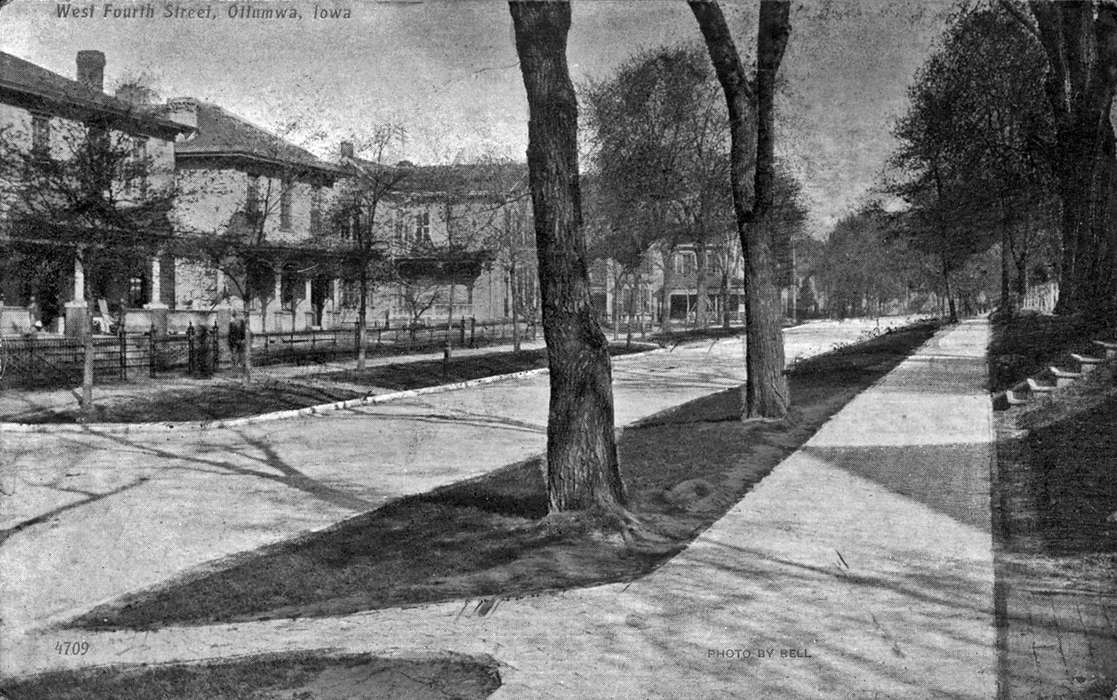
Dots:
(1109, 347)
(1014, 399)
(1037, 388)
(1063, 377)
(1086, 363)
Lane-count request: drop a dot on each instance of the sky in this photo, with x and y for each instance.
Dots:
(447, 70)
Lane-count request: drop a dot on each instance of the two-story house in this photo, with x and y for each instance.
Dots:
(77, 162)
(460, 241)
(266, 198)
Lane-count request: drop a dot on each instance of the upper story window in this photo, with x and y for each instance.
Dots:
(285, 204)
(252, 195)
(685, 263)
(135, 179)
(315, 208)
(423, 227)
(40, 135)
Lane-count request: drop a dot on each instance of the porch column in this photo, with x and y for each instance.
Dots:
(76, 307)
(308, 304)
(156, 309)
(278, 295)
(219, 290)
(156, 301)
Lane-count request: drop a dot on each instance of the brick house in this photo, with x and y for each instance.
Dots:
(44, 116)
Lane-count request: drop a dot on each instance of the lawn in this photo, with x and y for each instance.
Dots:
(1030, 342)
(230, 398)
(298, 675)
(1055, 522)
(492, 535)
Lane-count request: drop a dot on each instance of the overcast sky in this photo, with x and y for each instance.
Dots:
(447, 71)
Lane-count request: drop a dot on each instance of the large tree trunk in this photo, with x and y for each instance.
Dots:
(1081, 51)
(1008, 303)
(948, 291)
(582, 468)
(766, 390)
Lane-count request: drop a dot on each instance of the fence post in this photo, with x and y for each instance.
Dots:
(216, 350)
(151, 351)
(461, 338)
(472, 331)
(191, 352)
(122, 346)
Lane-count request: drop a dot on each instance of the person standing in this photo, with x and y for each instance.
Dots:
(236, 338)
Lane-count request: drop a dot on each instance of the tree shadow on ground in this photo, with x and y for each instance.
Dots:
(1056, 542)
(488, 536)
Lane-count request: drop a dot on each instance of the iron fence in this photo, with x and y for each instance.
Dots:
(42, 361)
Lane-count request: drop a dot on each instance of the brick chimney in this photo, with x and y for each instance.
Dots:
(91, 70)
(183, 110)
(346, 149)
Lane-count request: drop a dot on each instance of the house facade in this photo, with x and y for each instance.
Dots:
(252, 216)
(47, 120)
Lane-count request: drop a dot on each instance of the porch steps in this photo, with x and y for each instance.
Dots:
(1086, 364)
(1063, 377)
(1109, 347)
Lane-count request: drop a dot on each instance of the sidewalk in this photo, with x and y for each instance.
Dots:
(862, 566)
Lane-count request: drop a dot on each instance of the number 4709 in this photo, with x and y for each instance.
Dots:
(71, 648)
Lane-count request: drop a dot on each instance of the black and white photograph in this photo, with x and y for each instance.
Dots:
(584, 349)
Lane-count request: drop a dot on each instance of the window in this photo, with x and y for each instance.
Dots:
(315, 209)
(400, 228)
(252, 197)
(291, 288)
(136, 295)
(135, 177)
(684, 263)
(423, 227)
(40, 135)
(285, 204)
(350, 294)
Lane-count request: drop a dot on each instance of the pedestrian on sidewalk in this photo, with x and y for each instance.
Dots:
(236, 338)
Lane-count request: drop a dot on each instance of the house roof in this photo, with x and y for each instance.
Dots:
(40, 88)
(464, 180)
(221, 133)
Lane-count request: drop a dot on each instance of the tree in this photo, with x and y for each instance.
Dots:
(582, 467)
(92, 194)
(766, 389)
(866, 262)
(1079, 40)
(355, 220)
(659, 143)
(976, 151)
(515, 257)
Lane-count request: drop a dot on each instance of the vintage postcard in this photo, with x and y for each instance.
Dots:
(545, 349)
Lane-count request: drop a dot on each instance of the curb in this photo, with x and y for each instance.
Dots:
(368, 400)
